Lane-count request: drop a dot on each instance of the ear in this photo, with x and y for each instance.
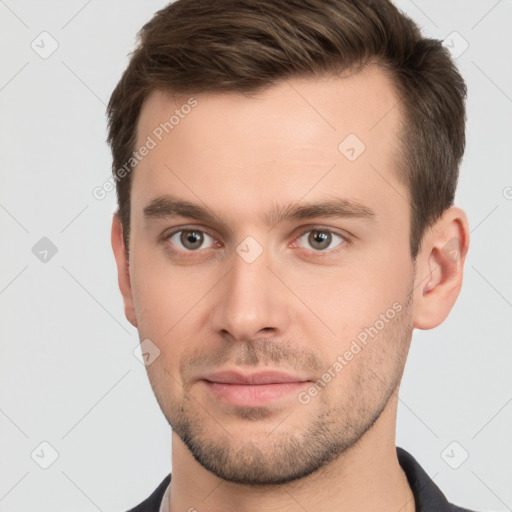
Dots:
(123, 269)
(439, 268)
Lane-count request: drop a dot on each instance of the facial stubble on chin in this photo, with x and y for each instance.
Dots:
(324, 435)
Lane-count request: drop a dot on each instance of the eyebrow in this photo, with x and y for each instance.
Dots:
(168, 206)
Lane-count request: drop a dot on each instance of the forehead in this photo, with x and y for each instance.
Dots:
(315, 136)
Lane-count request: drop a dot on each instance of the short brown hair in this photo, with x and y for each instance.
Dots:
(243, 46)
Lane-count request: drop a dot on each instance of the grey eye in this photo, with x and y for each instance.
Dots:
(190, 239)
(320, 239)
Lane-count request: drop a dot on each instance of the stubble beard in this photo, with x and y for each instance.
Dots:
(322, 437)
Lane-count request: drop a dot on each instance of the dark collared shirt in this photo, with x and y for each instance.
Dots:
(427, 495)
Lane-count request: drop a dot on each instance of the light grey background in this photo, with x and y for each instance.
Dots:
(68, 373)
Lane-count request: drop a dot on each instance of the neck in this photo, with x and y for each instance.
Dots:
(365, 477)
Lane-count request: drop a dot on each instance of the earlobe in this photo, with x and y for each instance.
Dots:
(439, 268)
(123, 271)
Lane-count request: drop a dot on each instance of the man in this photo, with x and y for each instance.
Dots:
(285, 175)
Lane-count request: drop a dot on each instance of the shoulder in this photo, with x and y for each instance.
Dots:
(152, 504)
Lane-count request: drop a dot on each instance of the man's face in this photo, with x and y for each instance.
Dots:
(281, 336)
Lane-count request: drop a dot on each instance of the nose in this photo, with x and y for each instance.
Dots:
(251, 302)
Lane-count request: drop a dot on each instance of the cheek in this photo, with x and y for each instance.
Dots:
(171, 307)
(154, 304)
(162, 293)
(354, 297)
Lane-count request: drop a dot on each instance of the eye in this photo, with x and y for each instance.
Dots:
(190, 239)
(320, 239)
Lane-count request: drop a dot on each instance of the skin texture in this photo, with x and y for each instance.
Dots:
(295, 308)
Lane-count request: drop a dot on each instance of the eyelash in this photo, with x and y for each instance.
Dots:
(345, 240)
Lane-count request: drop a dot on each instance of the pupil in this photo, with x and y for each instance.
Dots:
(191, 239)
(320, 239)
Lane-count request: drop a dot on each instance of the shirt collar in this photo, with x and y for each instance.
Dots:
(428, 497)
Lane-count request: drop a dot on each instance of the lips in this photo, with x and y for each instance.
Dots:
(252, 389)
(255, 379)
